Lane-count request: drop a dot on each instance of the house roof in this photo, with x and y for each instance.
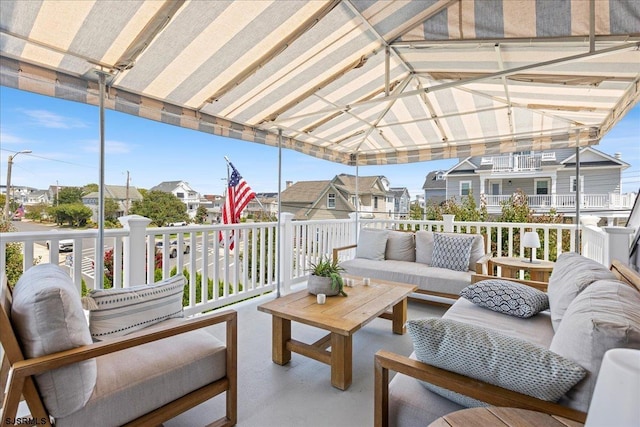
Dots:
(354, 82)
(169, 186)
(117, 192)
(304, 191)
(366, 184)
(431, 183)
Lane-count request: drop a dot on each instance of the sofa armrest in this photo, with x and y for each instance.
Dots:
(482, 265)
(386, 361)
(542, 286)
(342, 248)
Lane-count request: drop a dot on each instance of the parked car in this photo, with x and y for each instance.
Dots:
(177, 224)
(173, 248)
(64, 245)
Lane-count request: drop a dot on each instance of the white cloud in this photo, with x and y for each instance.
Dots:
(7, 138)
(49, 119)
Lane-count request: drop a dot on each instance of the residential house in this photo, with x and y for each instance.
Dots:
(264, 205)
(401, 200)
(182, 191)
(548, 178)
(213, 203)
(124, 196)
(435, 187)
(37, 197)
(336, 199)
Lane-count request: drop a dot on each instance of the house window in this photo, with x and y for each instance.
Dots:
(353, 200)
(572, 184)
(375, 202)
(465, 188)
(331, 201)
(180, 195)
(542, 187)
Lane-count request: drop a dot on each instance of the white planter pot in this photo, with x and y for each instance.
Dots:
(321, 285)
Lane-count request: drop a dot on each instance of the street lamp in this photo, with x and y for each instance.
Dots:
(8, 192)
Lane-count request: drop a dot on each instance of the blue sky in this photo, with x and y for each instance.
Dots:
(63, 136)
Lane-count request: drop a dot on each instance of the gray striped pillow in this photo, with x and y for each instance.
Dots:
(118, 312)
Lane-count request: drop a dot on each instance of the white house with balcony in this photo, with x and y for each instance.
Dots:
(182, 191)
(549, 180)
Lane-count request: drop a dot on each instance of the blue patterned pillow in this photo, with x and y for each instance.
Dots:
(452, 252)
(492, 357)
(505, 296)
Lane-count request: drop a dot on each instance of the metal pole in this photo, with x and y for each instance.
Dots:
(99, 279)
(578, 197)
(279, 212)
(357, 199)
(8, 192)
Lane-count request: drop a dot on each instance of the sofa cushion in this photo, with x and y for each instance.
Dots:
(604, 316)
(186, 362)
(118, 312)
(48, 318)
(424, 247)
(401, 246)
(425, 277)
(572, 273)
(372, 244)
(505, 296)
(451, 251)
(493, 357)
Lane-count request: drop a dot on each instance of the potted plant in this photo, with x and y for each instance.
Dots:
(325, 278)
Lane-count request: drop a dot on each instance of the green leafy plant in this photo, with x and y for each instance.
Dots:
(328, 268)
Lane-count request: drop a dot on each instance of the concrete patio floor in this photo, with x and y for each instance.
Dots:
(300, 393)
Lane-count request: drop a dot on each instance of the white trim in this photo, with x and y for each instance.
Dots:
(572, 179)
(334, 200)
(535, 186)
(460, 187)
(495, 181)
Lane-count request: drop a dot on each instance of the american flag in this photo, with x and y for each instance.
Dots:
(239, 194)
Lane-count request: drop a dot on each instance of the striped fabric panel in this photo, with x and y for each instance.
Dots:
(122, 311)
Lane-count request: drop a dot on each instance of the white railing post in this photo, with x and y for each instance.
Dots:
(134, 249)
(353, 216)
(448, 222)
(617, 244)
(287, 251)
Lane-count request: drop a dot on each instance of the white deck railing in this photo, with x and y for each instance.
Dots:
(568, 201)
(219, 275)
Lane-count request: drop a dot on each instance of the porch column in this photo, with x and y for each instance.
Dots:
(135, 249)
(448, 223)
(286, 253)
(554, 180)
(482, 179)
(617, 244)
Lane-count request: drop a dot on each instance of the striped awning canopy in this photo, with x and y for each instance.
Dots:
(351, 81)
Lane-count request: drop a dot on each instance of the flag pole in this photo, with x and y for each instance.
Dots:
(279, 212)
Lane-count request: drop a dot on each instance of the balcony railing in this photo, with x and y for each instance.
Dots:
(567, 201)
(518, 162)
(218, 275)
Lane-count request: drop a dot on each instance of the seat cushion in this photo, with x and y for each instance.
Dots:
(492, 357)
(604, 316)
(135, 381)
(118, 312)
(572, 273)
(48, 317)
(372, 244)
(505, 296)
(427, 278)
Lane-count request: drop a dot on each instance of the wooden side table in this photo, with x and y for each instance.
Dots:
(504, 417)
(539, 270)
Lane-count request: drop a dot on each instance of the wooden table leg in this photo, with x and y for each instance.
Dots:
(280, 334)
(400, 317)
(341, 361)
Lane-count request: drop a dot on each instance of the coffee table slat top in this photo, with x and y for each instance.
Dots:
(342, 315)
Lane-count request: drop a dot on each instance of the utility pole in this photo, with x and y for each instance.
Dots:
(8, 192)
(126, 202)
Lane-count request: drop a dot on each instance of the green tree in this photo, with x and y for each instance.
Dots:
(160, 207)
(74, 214)
(13, 256)
(111, 209)
(90, 188)
(201, 215)
(37, 212)
(68, 195)
(416, 211)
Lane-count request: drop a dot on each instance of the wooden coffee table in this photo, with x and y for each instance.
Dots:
(539, 271)
(341, 316)
(504, 417)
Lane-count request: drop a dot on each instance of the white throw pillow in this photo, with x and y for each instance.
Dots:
(400, 246)
(372, 244)
(48, 318)
(118, 312)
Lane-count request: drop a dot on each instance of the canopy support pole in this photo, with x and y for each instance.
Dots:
(578, 196)
(99, 251)
(357, 199)
(278, 252)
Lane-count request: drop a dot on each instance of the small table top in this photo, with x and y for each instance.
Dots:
(506, 417)
(523, 263)
(342, 315)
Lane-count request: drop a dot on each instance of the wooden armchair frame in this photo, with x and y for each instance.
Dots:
(17, 372)
(386, 361)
